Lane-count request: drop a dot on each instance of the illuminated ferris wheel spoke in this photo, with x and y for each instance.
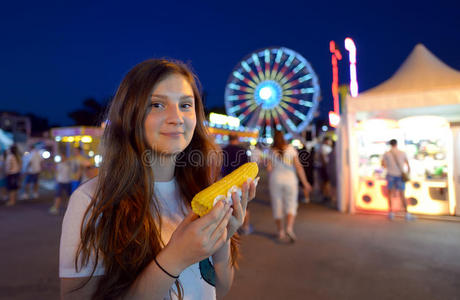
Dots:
(255, 58)
(298, 101)
(273, 87)
(281, 73)
(246, 113)
(261, 117)
(285, 121)
(267, 63)
(274, 72)
(292, 110)
(268, 118)
(251, 73)
(275, 116)
(240, 76)
(243, 106)
(238, 87)
(240, 97)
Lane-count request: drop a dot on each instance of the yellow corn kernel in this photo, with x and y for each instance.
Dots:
(203, 202)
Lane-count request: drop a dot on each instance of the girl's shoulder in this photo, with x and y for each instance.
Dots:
(84, 193)
(290, 149)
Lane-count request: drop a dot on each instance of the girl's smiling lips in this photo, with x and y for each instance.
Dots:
(172, 134)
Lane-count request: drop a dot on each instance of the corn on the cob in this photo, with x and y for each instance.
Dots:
(203, 202)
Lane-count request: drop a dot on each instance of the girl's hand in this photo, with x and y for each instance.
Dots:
(240, 205)
(196, 238)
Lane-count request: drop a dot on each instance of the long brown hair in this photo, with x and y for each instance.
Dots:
(279, 143)
(120, 221)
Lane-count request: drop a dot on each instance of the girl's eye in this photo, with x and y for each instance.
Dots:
(156, 105)
(187, 105)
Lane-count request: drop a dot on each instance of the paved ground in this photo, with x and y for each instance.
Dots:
(338, 256)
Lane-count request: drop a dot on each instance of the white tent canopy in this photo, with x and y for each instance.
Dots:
(422, 83)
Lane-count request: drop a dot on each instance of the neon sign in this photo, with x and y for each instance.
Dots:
(351, 48)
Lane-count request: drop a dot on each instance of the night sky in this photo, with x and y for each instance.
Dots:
(55, 55)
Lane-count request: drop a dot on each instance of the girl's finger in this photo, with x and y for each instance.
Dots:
(237, 207)
(211, 220)
(252, 189)
(245, 195)
(220, 229)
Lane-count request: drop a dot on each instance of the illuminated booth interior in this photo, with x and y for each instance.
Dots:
(86, 137)
(221, 126)
(419, 106)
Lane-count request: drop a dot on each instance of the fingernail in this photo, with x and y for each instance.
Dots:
(256, 181)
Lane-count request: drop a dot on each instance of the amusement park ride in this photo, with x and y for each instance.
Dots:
(273, 88)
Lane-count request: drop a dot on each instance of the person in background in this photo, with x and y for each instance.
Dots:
(3, 193)
(234, 157)
(322, 160)
(63, 179)
(13, 172)
(307, 164)
(79, 163)
(332, 175)
(283, 164)
(33, 169)
(130, 233)
(394, 161)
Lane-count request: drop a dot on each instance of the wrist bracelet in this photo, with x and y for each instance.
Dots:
(162, 269)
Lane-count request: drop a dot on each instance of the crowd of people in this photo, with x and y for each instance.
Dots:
(20, 173)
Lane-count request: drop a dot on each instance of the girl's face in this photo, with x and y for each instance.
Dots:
(171, 119)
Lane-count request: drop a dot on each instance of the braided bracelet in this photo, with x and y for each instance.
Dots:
(166, 272)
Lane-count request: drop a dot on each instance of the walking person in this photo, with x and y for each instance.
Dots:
(397, 165)
(3, 190)
(235, 156)
(285, 169)
(63, 179)
(33, 169)
(322, 160)
(130, 232)
(79, 164)
(13, 170)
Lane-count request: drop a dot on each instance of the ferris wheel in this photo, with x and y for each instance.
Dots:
(273, 88)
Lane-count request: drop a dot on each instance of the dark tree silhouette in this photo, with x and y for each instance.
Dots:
(91, 114)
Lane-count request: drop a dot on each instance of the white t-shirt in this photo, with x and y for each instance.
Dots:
(283, 166)
(34, 165)
(168, 194)
(63, 172)
(390, 162)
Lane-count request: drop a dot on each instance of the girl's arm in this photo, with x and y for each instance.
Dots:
(224, 270)
(192, 241)
(221, 258)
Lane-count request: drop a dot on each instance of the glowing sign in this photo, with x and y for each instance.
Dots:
(334, 119)
(336, 56)
(351, 48)
(224, 120)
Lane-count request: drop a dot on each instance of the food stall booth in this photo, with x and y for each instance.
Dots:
(86, 137)
(419, 106)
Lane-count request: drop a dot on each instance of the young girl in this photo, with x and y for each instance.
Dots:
(283, 164)
(130, 233)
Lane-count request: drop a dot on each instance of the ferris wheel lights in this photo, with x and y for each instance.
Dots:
(273, 88)
(265, 93)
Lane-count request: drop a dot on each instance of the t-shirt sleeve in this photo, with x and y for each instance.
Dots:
(70, 237)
